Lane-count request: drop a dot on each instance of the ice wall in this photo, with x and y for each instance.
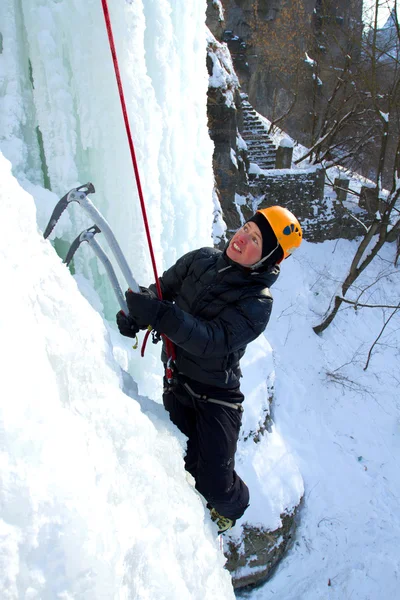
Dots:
(93, 494)
(61, 121)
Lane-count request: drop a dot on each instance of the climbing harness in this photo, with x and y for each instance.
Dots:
(168, 344)
(204, 398)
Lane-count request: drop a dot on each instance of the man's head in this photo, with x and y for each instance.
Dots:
(266, 239)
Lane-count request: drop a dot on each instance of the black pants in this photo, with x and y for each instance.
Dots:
(213, 432)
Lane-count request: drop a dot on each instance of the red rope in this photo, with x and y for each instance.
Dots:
(169, 346)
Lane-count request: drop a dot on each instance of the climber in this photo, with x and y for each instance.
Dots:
(214, 303)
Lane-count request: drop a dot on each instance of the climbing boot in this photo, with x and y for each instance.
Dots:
(223, 523)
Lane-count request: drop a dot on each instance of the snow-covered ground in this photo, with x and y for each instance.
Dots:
(343, 425)
(94, 500)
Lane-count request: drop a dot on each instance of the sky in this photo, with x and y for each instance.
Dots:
(384, 10)
(94, 499)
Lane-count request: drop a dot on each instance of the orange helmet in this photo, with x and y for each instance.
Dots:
(285, 226)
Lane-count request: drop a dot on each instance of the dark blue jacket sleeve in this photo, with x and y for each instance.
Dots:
(236, 326)
(171, 280)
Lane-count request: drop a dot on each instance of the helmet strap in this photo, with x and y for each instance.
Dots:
(260, 262)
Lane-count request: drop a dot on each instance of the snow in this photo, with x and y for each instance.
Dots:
(219, 225)
(240, 143)
(342, 424)
(240, 201)
(94, 499)
(309, 61)
(256, 170)
(317, 79)
(220, 8)
(286, 143)
(385, 116)
(233, 158)
(223, 74)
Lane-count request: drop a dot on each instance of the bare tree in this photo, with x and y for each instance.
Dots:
(386, 323)
(311, 55)
(383, 94)
(332, 140)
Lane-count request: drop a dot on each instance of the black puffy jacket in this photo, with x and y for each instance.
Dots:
(218, 308)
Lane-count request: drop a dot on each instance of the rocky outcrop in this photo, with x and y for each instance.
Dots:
(244, 161)
(223, 100)
(308, 26)
(215, 18)
(253, 559)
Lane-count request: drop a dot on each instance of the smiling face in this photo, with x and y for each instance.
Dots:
(245, 247)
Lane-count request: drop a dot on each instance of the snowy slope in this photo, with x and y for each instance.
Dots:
(343, 425)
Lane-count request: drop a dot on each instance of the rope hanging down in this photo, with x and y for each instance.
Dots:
(169, 346)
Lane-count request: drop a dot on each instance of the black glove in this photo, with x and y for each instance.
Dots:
(127, 325)
(144, 308)
(148, 292)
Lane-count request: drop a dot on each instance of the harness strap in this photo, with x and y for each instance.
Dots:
(204, 398)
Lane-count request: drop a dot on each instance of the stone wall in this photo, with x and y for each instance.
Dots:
(331, 221)
(289, 187)
(302, 192)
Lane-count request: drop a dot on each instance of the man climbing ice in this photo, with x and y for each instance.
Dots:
(214, 303)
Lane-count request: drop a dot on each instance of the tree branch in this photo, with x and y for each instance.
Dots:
(358, 304)
(379, 336)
